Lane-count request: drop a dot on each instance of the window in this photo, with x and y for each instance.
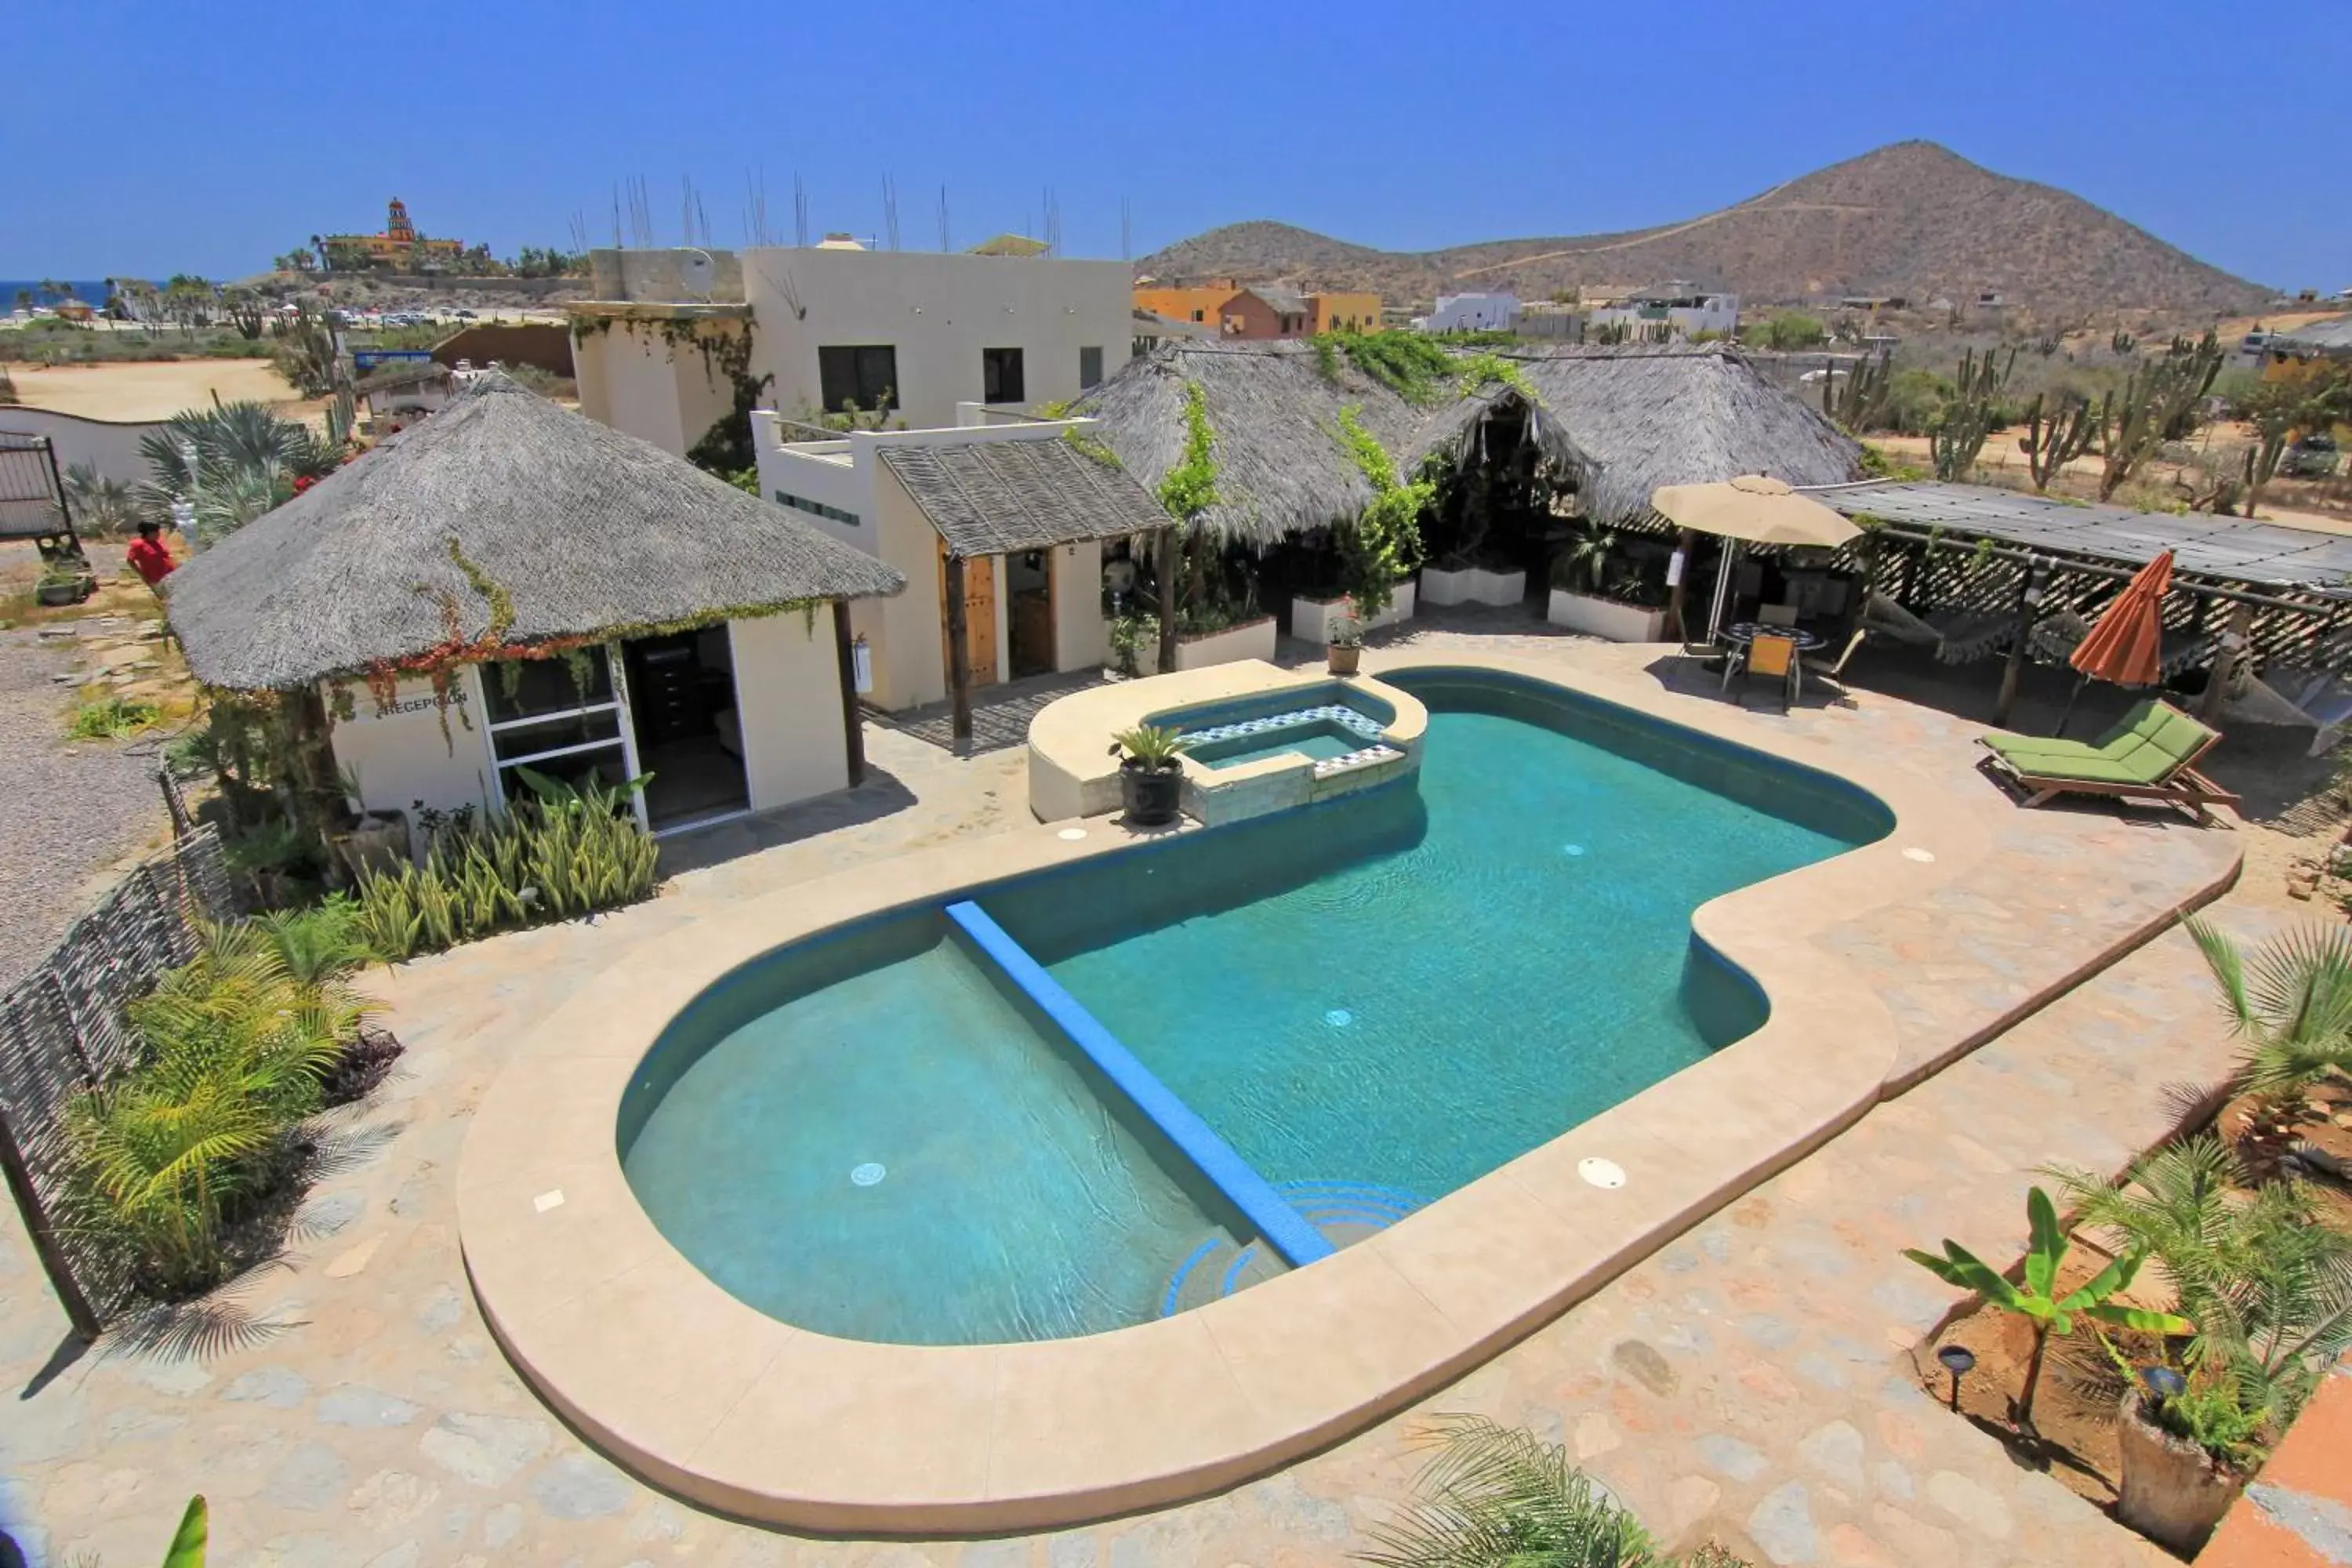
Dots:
(1089, 368)
(561, 717)
(1000, 376)
(815, 508)
(1198, 316)
(862, 374)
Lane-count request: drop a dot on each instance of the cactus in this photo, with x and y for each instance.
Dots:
(342, 415)
(2158, 400)
(2051, 444)
(2122, 342)
(1959, 434)
(2048, 344)
(1860, 402)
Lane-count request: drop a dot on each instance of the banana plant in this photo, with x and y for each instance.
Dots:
(2033, 1299)
(188, 1542)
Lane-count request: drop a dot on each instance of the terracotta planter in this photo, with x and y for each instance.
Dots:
(1343, 660)
(1150, 794)
(2173, 1492)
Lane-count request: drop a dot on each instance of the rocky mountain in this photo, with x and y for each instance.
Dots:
(1913, 219)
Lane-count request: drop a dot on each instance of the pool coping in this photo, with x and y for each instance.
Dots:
(734, 1410)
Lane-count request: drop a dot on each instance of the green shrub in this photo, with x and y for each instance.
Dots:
(1788, 330)
(233, 1049)
(112, 718)
(563, 853)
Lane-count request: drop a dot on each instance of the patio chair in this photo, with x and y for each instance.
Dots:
(1776, 658)
(2151, 755)
(1834, 670)
(1777, 615)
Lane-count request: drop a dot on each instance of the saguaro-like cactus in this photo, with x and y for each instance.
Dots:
(2158, 400)
(1959, 434)
(2053, 440)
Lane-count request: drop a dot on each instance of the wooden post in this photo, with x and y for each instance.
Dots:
(2226, 659)
(43, 1236)
(853, 733)
(2029, 596)
(1167, 573)
(959, 656)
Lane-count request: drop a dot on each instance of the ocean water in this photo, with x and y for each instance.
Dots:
(91, 292)
(1398, 990)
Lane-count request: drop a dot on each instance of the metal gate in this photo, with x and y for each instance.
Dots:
(31, 494)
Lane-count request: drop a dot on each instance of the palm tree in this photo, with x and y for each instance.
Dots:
(1496, 1497)
(2290, 999)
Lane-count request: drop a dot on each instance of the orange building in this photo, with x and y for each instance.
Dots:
(396, 245)
(1261, 311)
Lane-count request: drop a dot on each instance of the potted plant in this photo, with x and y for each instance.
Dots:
(1597, 591)
(1345, 635)
(2186, 1447)
(62, 582)
(1149, 778)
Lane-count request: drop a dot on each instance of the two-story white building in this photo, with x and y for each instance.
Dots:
(1014, 511)
(1473, 314)
(672, 337)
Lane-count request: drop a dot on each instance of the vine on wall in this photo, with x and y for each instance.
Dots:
(1384, 541)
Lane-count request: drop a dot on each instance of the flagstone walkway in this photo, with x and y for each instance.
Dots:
(1747, 1382)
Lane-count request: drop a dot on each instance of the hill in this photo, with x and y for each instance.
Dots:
(1914, 219)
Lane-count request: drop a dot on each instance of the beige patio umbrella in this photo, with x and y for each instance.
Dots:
(1753, 509)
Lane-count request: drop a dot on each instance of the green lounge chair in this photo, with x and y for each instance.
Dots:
(2149, 756)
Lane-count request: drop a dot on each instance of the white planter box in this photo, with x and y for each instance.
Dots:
(1602, 618)
(1310, 619)
(1251, 640)
(1473, 585)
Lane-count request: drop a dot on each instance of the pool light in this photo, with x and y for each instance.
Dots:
(1338, 1017)
(868, 1174)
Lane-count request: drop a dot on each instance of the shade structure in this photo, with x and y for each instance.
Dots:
(1756, 508)
(1753, 509)
(2126, 645)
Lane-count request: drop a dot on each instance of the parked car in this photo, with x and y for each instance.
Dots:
(2314, 457)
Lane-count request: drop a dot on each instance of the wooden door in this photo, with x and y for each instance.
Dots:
(978, 618)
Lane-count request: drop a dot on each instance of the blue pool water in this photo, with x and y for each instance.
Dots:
(1395, 992)
(1320, 739)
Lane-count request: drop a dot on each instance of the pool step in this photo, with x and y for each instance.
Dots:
(1343, 1212)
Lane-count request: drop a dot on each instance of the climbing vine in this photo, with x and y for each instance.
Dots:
(1190, 489)
(1384, 543)
(1087, 445)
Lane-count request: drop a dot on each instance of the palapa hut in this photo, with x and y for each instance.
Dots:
(1601, 429)
(509, 584)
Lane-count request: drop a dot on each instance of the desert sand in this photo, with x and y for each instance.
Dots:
(141, 390)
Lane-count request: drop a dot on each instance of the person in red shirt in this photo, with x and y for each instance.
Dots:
(148, 557)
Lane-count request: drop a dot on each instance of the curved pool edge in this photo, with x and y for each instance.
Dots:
(730, 1408)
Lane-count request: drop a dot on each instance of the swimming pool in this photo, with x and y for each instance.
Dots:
(1368, 1004)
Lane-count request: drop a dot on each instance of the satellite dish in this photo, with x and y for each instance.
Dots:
(694, 270)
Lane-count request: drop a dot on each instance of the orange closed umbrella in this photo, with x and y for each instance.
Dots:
(2124, 647)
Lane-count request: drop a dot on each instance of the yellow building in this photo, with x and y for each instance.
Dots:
(1345, 312)
(1201, 303)
(396, 245)
(1207, 303)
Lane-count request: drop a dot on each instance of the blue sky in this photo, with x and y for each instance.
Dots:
(157, 135)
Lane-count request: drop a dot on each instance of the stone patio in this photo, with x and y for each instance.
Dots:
(1746, 1382)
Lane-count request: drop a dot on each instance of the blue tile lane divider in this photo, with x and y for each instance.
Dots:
(1276, 1221)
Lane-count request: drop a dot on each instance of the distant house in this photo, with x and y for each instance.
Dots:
(1677, 308)
(1261, 310)
(1151, 331)
(1473, 314)
(408, 390)
(396, 247)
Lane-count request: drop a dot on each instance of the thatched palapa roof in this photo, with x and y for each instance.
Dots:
(502, 504)
(1623, 421)
(988, 497)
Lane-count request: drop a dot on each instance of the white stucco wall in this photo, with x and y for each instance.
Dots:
(910, 663)
(1081, 636)
(788, 703)
(938, 312)
(402, 758)
(631, 378)
(112, 449)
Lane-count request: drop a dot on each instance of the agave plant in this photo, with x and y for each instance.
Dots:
(1151, 745)
(2289, 999)
(100, 505)
(1497, 1497)
(235, 462)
